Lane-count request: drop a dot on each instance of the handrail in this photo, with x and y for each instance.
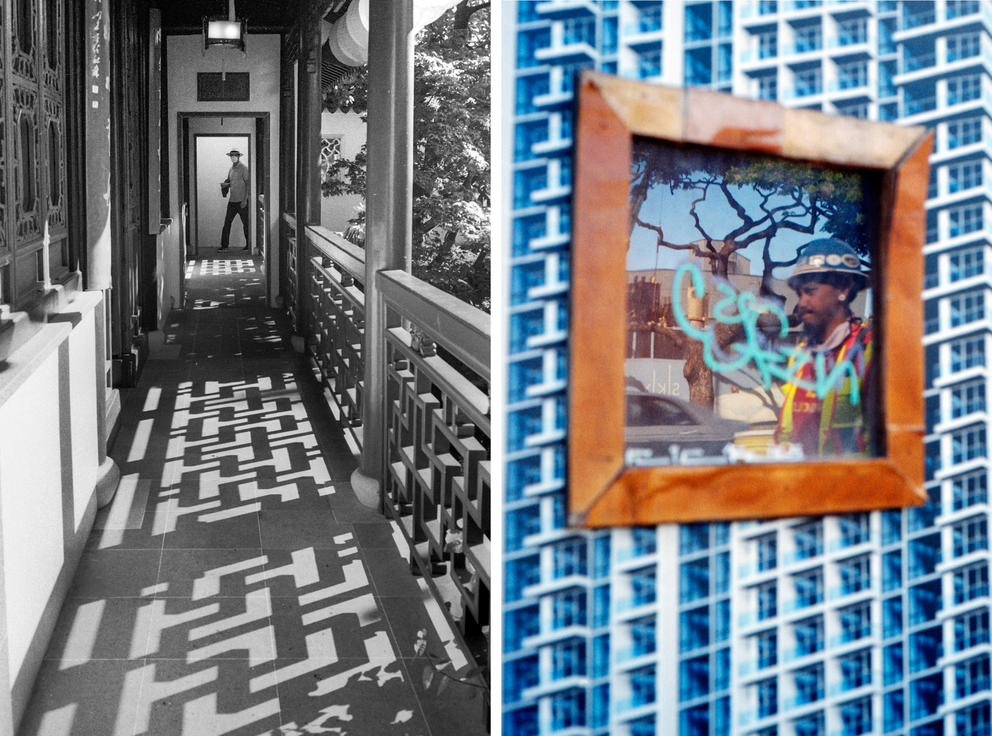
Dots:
(289, 218)
(348, 256)
(462, 329)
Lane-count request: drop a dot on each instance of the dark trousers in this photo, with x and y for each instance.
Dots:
(234, 209)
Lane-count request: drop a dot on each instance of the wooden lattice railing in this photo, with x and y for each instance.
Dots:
(436, 480)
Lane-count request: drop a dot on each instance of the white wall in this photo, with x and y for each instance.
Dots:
(50, 469)
(212, 166)
(348, 126)
(185, 57)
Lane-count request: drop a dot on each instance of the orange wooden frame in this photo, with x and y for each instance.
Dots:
(603, 491)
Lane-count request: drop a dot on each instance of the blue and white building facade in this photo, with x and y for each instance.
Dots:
(874, 623)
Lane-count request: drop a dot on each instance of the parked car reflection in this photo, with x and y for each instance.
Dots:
(659, 423)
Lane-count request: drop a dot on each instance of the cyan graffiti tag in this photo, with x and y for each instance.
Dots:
(772, 361)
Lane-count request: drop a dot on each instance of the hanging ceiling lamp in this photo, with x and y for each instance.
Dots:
(228, 32)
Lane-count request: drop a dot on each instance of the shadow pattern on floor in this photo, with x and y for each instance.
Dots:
(236, 585)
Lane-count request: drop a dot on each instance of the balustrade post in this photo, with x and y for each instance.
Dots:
(307, 148)
(389, 200)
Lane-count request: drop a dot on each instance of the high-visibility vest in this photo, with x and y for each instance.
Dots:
(842, 429)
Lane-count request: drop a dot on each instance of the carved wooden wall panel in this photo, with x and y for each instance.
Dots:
(32, 145)
(4, 243)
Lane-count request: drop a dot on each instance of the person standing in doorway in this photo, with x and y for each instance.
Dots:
(237, 203)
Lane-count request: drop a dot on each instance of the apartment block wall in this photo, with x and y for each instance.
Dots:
(862, 623)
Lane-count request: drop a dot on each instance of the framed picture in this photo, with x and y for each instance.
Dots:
(746, 315)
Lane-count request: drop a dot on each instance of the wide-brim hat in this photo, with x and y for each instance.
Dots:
(234, 152)
(829, 255)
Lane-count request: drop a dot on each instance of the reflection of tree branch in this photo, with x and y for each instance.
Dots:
(738, 207)
(695, 215)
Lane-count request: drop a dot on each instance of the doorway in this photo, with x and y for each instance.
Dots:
(209, 206)
(204, 141)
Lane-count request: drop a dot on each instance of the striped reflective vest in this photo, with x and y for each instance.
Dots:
(831, 423)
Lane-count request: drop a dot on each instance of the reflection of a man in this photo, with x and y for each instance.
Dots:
(830, 421)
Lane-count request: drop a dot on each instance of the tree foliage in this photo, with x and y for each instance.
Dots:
(451, 188)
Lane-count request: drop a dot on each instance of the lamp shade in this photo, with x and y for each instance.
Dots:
(224, 32)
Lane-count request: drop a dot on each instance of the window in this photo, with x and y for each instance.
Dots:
(964, 176)
(568, 659)
(767, 648)
(767, 552)
(971, 676)
(644, 540)
(854, 529)
(808, 539)
(601, 605)
(809, 684)
(694, 629)
(973, 721)
(967, 398)
(855, 670)
(721, 620)
(969, 490)
(767, 44)
(570, 558)
(963, 132)
(892, 616)
(694, 580)
(969, 306)
(808, 38)
(643, 636)
(891, 570)
(528, 88)
(971, 582)
(642, 686)
(694, 538)
(967, 353)
(957, 8)
(811, 725)
(855, 574)
(971, 630)
(968, 444)
(698, 21)
(569, 608)
(965, 219)
(808, 587)
(579, 30)
(807, 81)
(768, 87)
(855, 622)
(650, 17)
(970, 535)
(767, 597)
(853, 74)
(649, 62)
(852, 31)
(767, 697)
(568, 710)
(808, 634)
(963, 46)
(643, 587)
(966, 263)
(856, 717)
(963, 89)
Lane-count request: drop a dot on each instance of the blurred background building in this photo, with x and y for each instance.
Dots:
(863, 623)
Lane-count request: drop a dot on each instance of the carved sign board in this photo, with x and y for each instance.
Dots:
(768, 252)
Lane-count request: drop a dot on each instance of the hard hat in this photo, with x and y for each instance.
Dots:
(829, 255)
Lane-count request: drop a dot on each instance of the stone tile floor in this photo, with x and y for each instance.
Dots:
(236, 585)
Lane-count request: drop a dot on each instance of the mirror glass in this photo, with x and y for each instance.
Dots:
(750, 322)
